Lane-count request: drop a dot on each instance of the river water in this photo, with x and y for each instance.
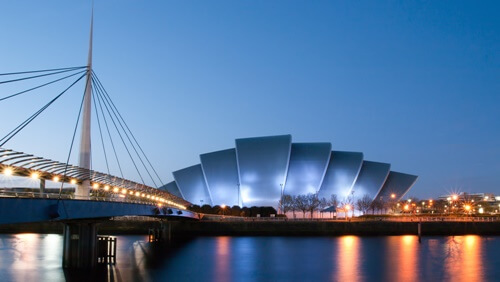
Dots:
(37, 257)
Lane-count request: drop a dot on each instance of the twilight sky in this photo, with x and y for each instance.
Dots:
(413, 84)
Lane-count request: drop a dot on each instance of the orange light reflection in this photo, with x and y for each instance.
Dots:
(464, 258)
(222, 259)
(347, 259)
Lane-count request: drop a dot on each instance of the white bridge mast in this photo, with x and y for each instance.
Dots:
(83, 189)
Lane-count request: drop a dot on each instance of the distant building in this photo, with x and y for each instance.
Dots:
(258, 171)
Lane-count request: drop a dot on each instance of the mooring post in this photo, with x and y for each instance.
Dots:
(80, 245)
(420, 232)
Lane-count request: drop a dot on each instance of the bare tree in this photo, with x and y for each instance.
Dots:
(312, 203)
(363, 204)
(286, 203)
(323, 203)
(301, 203)
(333, 201)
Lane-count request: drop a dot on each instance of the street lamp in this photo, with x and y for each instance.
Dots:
(281, 199)
(393, 196)
(347, 208)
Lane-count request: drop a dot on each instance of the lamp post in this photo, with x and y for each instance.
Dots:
(238, 194)
(223, 208)
(281, 198)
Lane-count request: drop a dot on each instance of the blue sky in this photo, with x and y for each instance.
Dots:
(415, 84)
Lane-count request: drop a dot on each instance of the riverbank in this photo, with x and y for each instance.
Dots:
(273, 228)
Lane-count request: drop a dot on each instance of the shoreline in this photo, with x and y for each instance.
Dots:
(271, 228)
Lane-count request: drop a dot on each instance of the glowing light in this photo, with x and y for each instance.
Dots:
(406, 207)
(347, 207)
(223, 206)
(8, 171)
(481, 210)
(55, 179)
(131, 192)
(409, 200)
(35, 175)
(430, 201)
(454, 197)
(116, 189)
(467, 207)
(124, 191)
(393, 196)
(448, 199)
(137, 194)
(73, 181)
(106, 187)
(486, 198)
(148, 196)
(95, 186)
(143, 195)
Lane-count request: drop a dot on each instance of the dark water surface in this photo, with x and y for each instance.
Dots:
(36, 257)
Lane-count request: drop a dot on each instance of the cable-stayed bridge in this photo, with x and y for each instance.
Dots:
(83, 196)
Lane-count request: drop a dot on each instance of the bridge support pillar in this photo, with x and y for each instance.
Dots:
(42, 187)
(80, 245)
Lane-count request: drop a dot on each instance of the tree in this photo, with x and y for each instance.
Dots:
(206, 209)
(301, 203)
(286, 203)
(333, 201)
(363, 204)
(323, 203)
(293, 207)
(312, 203)
(235, 210)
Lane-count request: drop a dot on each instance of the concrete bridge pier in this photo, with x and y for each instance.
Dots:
(80, 245)
(161, 234)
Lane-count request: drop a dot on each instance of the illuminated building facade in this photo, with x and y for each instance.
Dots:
(259, 170)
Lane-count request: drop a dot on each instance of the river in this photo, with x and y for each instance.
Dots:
(37, 257)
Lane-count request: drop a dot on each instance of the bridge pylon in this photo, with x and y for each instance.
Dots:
(82, 190)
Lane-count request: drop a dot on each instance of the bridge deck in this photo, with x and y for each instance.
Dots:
(19, 210)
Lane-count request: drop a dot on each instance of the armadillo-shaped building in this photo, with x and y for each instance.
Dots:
(259, 170)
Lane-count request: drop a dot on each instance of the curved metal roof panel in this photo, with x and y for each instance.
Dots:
(221, 173)
(172, 188)
(307, 167)
(191, 183)
(342, 172)
(262, 167)
(397, 183)
(370, 180)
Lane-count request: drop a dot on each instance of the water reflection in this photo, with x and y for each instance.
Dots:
(407, 258)
(464, 261)
(347, 259)
(34, 257)
(222, 259)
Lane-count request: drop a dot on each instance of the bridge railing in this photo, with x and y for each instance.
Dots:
(37, 195)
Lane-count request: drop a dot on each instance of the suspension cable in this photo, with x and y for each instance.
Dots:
(35, 76)
(32, 117)
(131, 143)
(100, 132)
(109, 134)
(40, 86)
(121, 137)
(131, 134)
(35, 71)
